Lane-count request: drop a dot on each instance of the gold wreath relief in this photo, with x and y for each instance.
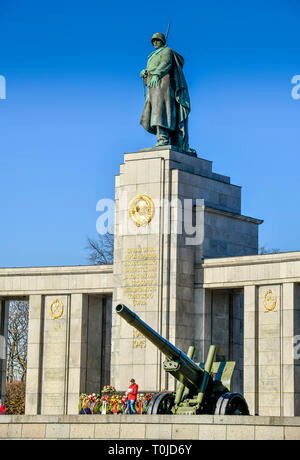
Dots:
(56, 309)
(141, 210)
(270, 301)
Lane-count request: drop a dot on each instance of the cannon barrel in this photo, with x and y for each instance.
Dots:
(179, 364)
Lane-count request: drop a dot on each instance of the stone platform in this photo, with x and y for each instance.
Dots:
(154, 427)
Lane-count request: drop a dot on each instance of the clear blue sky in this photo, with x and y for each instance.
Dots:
(74, 100)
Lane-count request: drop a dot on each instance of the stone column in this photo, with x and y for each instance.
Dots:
(77, 351)
(55, 355)
(32, 403)
(4, 309)
(289, 360)
(250, 348)
(296, 349)
(270, 313)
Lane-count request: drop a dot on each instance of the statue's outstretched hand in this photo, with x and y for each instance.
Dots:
(154, 81)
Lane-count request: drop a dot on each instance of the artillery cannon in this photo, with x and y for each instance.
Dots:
(202, 388)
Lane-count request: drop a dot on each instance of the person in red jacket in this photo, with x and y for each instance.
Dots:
(131, 394)
(2, 408)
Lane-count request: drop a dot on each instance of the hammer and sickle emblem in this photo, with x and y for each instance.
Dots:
(141, 210)
(56, 309)
(270, 301)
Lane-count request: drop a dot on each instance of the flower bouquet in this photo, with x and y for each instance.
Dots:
(108, 389)
(91, 401)
(115, 404)
(148, 397)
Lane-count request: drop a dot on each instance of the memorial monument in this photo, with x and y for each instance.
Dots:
(185, 261)
(171, 211)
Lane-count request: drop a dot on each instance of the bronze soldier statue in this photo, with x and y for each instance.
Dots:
(167, 105)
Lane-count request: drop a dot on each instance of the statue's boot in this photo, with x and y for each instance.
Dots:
(163, 136)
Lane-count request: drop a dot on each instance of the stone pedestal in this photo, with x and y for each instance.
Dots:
(171, 211)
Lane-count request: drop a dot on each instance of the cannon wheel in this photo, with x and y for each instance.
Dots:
(161, 403)
(231, 404)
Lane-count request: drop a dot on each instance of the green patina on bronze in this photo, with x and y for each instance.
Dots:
(167, 105)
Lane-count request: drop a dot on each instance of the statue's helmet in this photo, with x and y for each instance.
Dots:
(158, 36)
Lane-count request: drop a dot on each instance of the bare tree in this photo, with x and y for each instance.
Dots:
(17, 340)
(101, 251)
(265, 250)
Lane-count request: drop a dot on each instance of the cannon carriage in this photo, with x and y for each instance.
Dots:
(202, 388)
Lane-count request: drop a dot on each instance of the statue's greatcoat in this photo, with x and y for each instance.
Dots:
(168, 104)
